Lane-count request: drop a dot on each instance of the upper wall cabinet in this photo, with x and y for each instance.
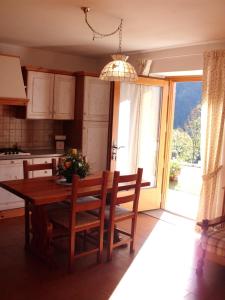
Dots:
(64, 97)
(51, 96)
(96, 99)
(40, 87)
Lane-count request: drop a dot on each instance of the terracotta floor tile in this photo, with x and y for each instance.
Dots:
(162, 268)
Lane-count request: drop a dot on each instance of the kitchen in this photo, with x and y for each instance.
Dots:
(43, 127)
(51, 99)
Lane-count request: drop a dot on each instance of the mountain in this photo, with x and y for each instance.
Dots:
(188, 95)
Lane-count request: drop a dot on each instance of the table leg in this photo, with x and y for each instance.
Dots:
(41, 233)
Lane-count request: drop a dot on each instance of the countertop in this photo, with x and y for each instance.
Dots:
(34, 154)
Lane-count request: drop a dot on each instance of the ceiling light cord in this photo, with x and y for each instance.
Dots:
(97, 34)
(120, 36)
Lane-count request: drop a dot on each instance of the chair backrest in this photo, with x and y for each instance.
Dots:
(91, 203)
(37, 167)
(135, 183)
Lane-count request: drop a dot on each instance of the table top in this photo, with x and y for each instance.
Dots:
(45, 190)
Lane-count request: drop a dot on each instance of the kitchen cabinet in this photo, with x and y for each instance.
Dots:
(11, 170)
(40, 87)
(42, 160)
(96, 99)
(89, 131)
(94, 147)
(51, 96)
(95, 122)
(64, 97)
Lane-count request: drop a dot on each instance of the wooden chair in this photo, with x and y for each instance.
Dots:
(212, 243)
(76, 219)
(115, 214)
(27, 168)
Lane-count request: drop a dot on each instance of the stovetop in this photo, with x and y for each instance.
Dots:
(12, 151)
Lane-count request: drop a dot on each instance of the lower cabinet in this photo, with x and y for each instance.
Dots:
(95, 143)
(13, 169)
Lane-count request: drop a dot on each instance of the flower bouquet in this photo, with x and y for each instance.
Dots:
(73, 163)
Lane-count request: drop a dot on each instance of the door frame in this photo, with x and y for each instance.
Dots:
(169, 130)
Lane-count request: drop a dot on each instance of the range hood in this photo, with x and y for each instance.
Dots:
(12, 90)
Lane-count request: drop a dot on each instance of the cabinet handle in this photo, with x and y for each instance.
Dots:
(46, 162)
(12, 162)
(45, 172)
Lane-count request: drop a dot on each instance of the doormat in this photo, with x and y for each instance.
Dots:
(170, 218)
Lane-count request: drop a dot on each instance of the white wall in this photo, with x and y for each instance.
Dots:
(172, 60)
(49, 59)
(168, 60)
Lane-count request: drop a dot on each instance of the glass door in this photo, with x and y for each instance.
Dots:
(138, 137)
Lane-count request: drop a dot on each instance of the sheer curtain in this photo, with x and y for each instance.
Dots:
(213, 114)
(138, 133)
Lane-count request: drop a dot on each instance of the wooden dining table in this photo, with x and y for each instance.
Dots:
(40, 193)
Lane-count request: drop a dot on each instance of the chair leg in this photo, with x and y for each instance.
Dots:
(133, 231)
(71, 251)
(84, 240)
(27, 225)
(100, 252)
(110, 242)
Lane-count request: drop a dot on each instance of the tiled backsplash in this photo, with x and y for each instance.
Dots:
(28, 134)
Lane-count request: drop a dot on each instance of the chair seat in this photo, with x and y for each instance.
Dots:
(61, 217)
(119, 212)
(55, 206)
(82, 200)
(214, 242)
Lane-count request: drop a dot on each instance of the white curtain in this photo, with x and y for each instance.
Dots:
(128, 128)
(213, 114)
(138, 133)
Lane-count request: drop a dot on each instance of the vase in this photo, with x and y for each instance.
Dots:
(69, 178)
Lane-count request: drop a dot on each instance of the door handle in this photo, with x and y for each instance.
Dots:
(114, 151)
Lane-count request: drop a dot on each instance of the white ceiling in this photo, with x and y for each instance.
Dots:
(148, 24)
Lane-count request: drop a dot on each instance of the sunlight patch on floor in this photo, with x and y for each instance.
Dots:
(182, 203)
(162, 268)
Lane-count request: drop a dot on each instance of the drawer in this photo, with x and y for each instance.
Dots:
(13, 162)
(42, 173)
(42, 160)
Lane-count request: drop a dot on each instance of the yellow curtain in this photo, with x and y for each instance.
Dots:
(213, 114)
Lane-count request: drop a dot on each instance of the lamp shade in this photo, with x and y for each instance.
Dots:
(119, 70)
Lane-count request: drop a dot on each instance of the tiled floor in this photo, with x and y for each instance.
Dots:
(163, 268)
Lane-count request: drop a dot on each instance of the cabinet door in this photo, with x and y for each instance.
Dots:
(95, 143)
(40, 94)
(10, 170)
(96, 99)
(64, 97)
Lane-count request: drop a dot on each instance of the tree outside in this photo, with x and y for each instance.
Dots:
(193, 128)
(186, 142)
(181, 145)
